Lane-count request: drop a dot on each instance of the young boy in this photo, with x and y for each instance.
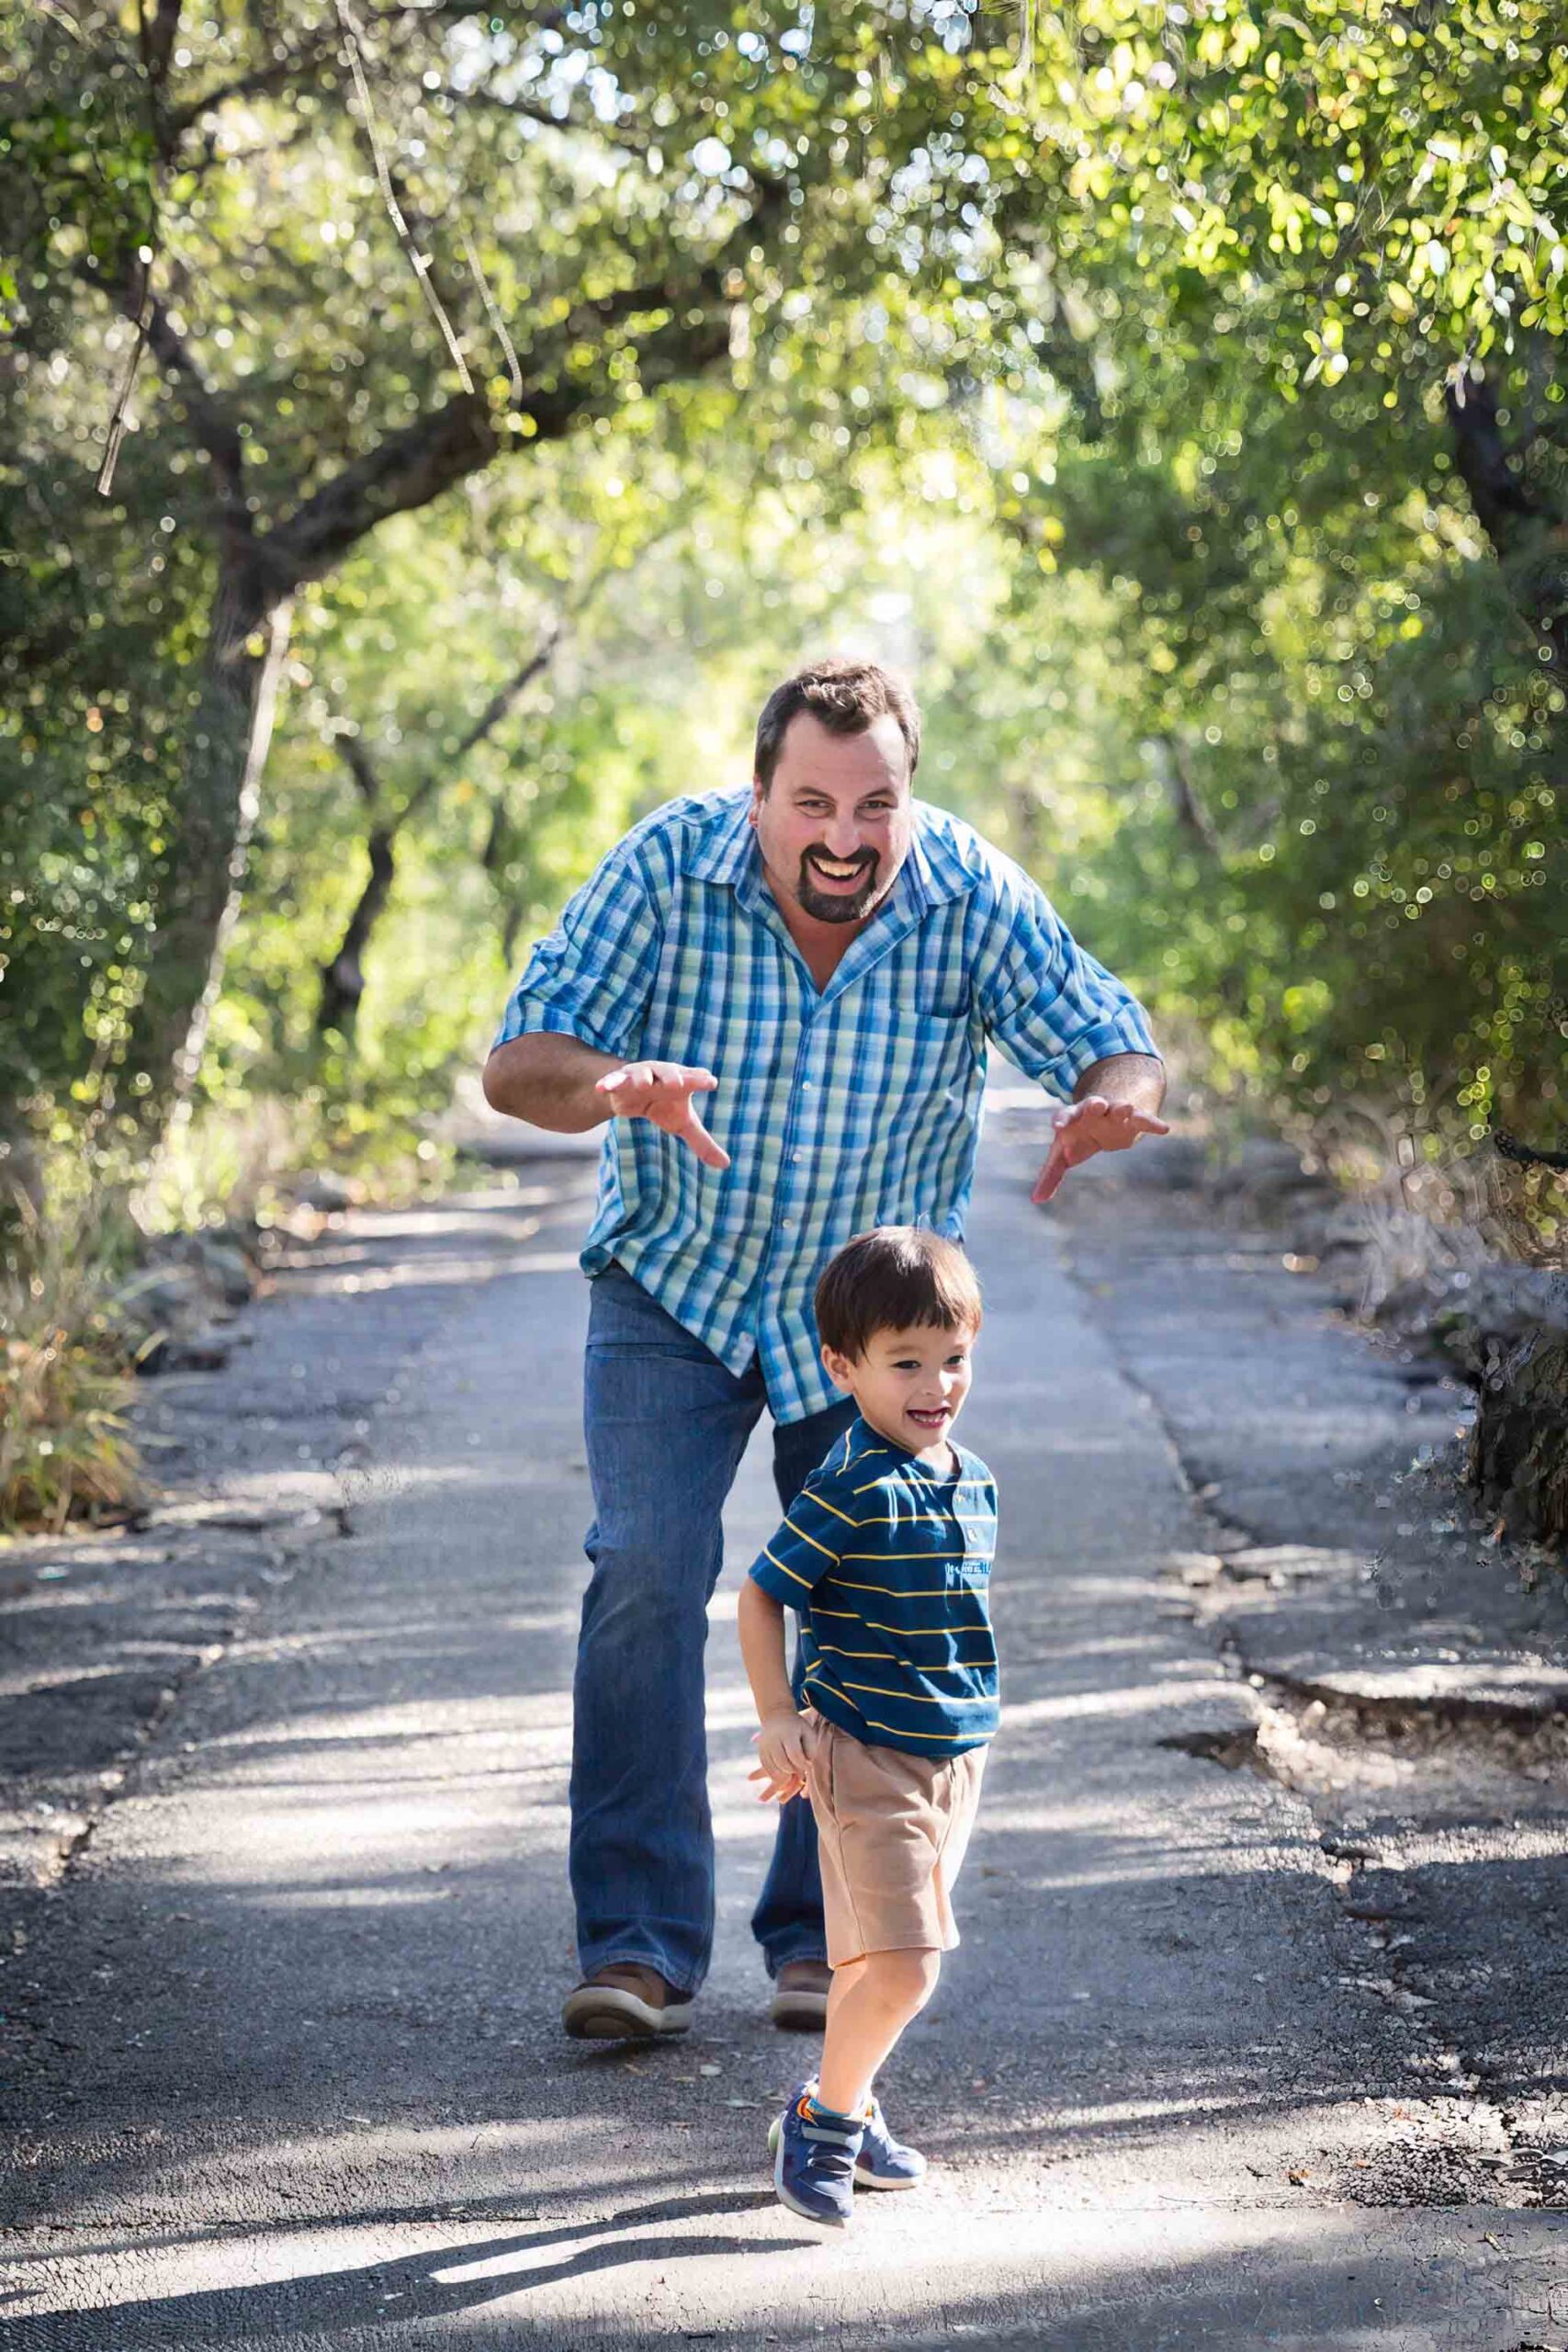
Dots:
(886, 1557)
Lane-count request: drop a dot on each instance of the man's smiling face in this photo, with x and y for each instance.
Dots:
(834, 824)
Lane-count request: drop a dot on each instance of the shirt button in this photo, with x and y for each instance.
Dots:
(797, 1157)
(788, 1224)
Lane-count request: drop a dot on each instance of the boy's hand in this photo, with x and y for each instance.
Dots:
(662, 1092)
(783, 1750)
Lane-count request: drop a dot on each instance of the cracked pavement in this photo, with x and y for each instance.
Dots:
(1267, 2052)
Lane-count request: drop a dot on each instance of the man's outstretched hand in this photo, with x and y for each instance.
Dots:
(1094, 1125)
(662, 1092)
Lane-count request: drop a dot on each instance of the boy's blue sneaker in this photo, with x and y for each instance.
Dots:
(884, 2162)
(814, 2163)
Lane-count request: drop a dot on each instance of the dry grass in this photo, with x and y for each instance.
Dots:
(1424, 1217)
(66, 1382)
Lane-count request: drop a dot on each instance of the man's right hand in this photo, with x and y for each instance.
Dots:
(662, 1092)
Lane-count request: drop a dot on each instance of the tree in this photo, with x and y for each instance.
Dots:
(593, 196)
(1235, 330)
(343, 978)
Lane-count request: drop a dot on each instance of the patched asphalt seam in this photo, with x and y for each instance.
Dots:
(1241, 1748)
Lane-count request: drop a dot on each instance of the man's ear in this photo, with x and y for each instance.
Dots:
(838, 1369)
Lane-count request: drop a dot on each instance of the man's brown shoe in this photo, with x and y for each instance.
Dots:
(800, 1995)
(626, 2003)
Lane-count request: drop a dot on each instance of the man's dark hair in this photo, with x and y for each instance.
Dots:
(844, 697)
(895, 1279)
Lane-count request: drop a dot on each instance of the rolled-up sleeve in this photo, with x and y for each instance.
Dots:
(1045, 999)
(591, 977)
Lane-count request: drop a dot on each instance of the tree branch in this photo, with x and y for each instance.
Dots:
(158, 39)
(294, 64)
(415, 465)
(406, 471)
(498, 325)
(418, 260)
(356, 759)
(212, 425)
(215, 429)
(343, 978)
(506, 698)
(495, 834)
(613, 134)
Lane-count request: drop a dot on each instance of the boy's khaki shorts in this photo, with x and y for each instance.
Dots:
(891, 1831)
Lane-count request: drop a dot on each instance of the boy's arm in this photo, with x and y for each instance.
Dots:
(783, 1743)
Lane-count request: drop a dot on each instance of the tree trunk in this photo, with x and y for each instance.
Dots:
(201, 895)
(1527, 534)
(257, 575)
(512, 923)
(491, 858)
(1176, 773)
(342, 980)
(1518, 1447)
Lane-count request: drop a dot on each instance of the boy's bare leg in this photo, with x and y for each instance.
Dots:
(872, 2001)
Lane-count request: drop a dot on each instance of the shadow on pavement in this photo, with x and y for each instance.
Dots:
(1333, 2285)
(413, 2287)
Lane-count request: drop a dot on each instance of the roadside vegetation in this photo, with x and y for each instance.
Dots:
(66, 1380)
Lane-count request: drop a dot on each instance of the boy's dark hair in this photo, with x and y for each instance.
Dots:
(844, 697)
(894, 1279)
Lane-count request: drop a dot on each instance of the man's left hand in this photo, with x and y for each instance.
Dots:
(1094, 1125)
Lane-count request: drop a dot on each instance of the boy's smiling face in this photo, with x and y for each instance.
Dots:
(910, 1386)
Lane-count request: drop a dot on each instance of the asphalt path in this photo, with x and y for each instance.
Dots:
(313, 2090)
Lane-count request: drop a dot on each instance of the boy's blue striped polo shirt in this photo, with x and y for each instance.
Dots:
(889, 1564)
(844, 1108)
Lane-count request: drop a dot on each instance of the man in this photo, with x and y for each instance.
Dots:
(818, 963)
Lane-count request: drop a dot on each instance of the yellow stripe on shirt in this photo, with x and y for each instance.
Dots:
(899, 1555)
(902, 1591)
(822, 1504)
(784, 1571)
(919, 1698)
(958, 1666)
(902, 1731)
(827, 1554)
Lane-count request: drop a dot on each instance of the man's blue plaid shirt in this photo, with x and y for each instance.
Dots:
(854, 1107)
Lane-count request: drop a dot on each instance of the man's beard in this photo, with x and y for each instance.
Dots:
(848, 906)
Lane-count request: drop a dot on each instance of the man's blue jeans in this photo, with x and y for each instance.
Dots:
(666, 1424)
